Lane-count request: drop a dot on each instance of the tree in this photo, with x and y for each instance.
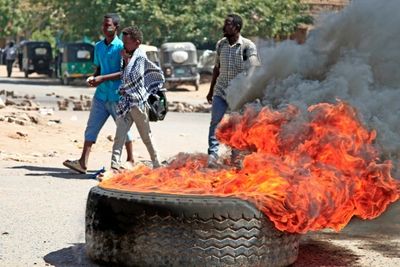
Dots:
(8, 16)
(199, 21)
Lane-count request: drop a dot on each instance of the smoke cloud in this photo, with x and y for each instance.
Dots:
(352, 55)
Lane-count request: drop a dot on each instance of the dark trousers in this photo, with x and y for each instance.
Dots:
(9, 63)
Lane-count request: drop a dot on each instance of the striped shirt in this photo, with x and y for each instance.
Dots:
(232, 60)
(140, 78)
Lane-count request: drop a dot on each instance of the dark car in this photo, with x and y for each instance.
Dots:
(36, 57)
(179, 63)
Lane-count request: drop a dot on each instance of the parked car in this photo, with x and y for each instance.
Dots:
(20, 54)
(74, 61)
(179, 63)
(152, 52)
(206, 62)
(36, 57)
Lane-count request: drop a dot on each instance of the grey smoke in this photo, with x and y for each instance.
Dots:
(352, 55)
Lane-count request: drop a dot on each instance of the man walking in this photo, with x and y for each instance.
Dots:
(107, 58)
(234, 55)
(140, 78)
(11, 55)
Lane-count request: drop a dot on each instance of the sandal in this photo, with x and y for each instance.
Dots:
(74, 165)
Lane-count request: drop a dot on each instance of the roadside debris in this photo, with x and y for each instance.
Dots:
(82, 105)
(22, 134)
(63, 104)
(177, 106)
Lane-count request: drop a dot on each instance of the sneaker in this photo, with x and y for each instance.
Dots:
(212, 161)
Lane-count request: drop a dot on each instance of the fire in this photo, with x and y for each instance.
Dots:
(304, 171)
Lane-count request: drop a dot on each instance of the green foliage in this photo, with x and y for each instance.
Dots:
(44, 35)
(7, 11)
(199, 21)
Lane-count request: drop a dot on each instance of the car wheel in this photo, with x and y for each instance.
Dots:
(150, 229)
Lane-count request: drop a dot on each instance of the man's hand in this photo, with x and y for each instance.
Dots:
(209, 97)
(125, 56)
(94, 81)
(89, 80)
(213, 81)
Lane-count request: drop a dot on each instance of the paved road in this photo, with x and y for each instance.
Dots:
(40, 85)
(43, 205)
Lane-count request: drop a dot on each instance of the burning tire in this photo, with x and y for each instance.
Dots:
(148, 229)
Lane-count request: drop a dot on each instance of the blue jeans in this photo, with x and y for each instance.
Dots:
(218, 109)
(100, 111)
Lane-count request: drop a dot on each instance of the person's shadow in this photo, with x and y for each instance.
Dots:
(73, 256)
(64, 173)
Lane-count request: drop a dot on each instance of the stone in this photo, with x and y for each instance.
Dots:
(77, 106)
(10, 93)
(34, 119)
(22, 134)
(20, 122)
(180, 107)
(9, 102)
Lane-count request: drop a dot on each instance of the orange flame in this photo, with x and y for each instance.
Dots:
(305, 171)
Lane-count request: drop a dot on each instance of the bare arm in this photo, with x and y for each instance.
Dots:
(213, 81)
(98, 79)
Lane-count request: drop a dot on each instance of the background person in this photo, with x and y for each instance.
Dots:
(234, 54)
(10, 56)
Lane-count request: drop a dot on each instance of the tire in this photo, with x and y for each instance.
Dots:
(149, 229)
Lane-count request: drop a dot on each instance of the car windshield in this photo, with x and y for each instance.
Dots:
(40, 51)
(83, 54)
(79, 53)
(153, 56)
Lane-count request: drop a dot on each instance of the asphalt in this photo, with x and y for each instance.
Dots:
(42, 206)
